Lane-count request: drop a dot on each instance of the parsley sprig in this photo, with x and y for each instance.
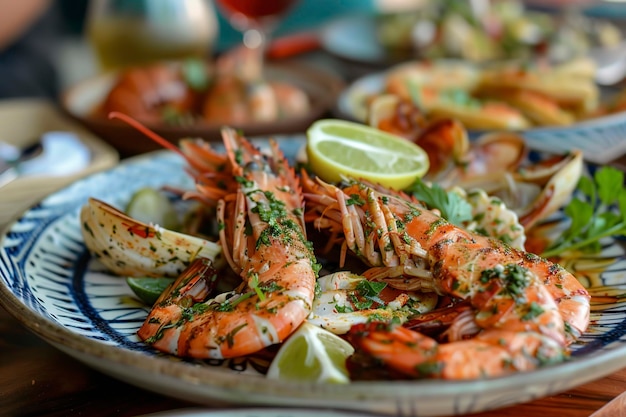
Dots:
(597, 211)
(452, 206)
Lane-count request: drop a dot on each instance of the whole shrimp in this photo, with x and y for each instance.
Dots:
(524, 312)
(263, 238)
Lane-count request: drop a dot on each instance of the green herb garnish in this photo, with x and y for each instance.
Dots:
(596, 211)
(454, 208)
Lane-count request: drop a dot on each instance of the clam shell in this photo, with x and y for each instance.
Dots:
(128, 247)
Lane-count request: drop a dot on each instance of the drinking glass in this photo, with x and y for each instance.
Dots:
(126, 33)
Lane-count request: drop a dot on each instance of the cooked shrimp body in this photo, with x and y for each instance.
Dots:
(387, 229)
(461, 261)
(175, 306)
(233, 100)
(489, 354)
(508, 289)
(264, 241)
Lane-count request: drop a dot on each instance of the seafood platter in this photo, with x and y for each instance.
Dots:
(197, 97)
(556, 107)
(494, 278)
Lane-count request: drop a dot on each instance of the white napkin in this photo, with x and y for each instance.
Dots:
(63, 153)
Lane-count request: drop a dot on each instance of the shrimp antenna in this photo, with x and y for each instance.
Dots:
(146, 131)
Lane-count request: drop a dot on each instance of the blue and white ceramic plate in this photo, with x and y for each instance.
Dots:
(602, 139)
(50, 284)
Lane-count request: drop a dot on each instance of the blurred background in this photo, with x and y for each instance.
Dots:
(52, 45)
(47, 46)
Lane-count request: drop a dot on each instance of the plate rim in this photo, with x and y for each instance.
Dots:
(253, 412)
(56, 334)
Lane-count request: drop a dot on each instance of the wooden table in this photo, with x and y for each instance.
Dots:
(39, 380)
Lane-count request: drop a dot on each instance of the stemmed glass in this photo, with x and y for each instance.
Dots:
(255, 19)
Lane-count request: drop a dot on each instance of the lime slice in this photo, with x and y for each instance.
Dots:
(149, 205)
(148, 289)
(338, 147)
(312, 354)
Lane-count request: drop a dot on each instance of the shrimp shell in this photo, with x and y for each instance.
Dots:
(264, 241)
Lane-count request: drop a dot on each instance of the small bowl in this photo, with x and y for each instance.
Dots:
(81, 101)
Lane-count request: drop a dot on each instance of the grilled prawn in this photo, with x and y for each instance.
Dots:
(525, 310)
(263, 239)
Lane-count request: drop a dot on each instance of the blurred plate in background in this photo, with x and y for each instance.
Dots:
(83, 99)
(601, 139)
(356, 40)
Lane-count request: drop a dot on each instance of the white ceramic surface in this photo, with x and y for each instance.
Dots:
(50, 284)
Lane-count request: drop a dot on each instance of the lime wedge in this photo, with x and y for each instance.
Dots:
(337, 148)
(312, 354)
(149, 205)
(148, 289)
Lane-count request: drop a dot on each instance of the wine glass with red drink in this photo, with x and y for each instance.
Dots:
(255, 19)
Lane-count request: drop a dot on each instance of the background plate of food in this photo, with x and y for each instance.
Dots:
(195, 99)
(452, 29)
(51, 283)
(556, 107)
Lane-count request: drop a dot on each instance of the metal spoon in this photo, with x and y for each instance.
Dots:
(11, 156)
(56, 153)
